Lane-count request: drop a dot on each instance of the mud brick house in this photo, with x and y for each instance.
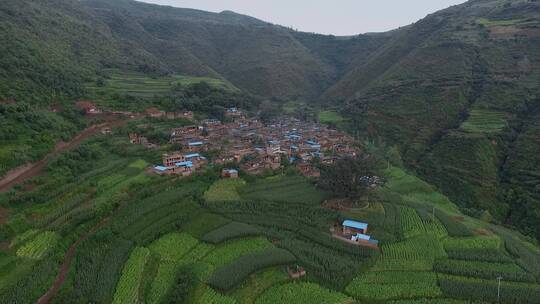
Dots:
(229, 173)
(88, 107)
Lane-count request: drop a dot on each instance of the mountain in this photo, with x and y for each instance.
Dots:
(456, 93)
(80, 38)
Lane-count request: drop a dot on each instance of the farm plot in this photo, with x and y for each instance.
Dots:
(127, 290)
(485, 270)
(204, 222)
(229, 276)
(173, 250)
(37, 247)
(139, 85)
(257, 283)
(484, 121)
(394, 285)
(486, 290)
(409, 189)
(418, 254)
(224, 190)
(173, 246)
(284, 189)
(411, 223)
(227, 252)
(230, 231)
(302, 293)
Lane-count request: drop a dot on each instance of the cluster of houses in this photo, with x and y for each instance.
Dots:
(180, 164)
(256, 147)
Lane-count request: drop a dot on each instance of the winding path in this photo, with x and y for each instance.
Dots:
(64, 268)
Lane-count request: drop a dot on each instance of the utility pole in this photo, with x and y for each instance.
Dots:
(433, 214)
(499, 278)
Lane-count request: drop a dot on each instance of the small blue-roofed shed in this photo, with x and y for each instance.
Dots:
(195, 144)
(354, 227)
(194, 155)
(160, 168)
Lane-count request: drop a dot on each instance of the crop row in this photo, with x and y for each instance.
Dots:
(127, 290)
(230, 251)
(39, 245)
(236, 272)
(394, 285)
(230, 231)
(453, 226)
(173, 246)
(485, 270)
(486, 290)
(302, 293)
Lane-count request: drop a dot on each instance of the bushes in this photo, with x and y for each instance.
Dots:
(485, 270)
(233, 274)
(484, 290)
(230, 231)
(127, 290)
(302, 293)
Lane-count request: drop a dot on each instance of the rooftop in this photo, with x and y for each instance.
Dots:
(355, 224)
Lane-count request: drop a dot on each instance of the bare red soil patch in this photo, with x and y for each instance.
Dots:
(458, 218)
(4, 214)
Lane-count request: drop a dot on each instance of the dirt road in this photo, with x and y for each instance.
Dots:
(64, 269)
(25, 172)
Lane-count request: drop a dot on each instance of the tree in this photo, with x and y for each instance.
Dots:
(344, 178)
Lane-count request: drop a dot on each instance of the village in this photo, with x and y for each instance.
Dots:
(249, 145)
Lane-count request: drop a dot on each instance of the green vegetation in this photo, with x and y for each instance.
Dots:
(486, 290)
(230, 231)
(236, 272)
(230, 251)
(38, 246)
(300, 293)
(330, 117)
(128, 287)
(394, 285)
(258, 282)
(291, 189)
(484, 121)
(485, 270)
(141, 85)
(224, 190)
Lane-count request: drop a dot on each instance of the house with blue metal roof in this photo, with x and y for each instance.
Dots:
(354, 227)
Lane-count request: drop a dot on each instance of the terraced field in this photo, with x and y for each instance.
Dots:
(140, 85)
(205, 240)
(484, 121)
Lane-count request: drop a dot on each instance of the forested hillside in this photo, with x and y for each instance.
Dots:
(456, 93)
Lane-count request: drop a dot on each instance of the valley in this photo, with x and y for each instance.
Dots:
(151, 154)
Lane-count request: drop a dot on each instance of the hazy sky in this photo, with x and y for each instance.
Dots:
(338, 17)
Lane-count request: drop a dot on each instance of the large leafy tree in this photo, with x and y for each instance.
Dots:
(344, 177)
